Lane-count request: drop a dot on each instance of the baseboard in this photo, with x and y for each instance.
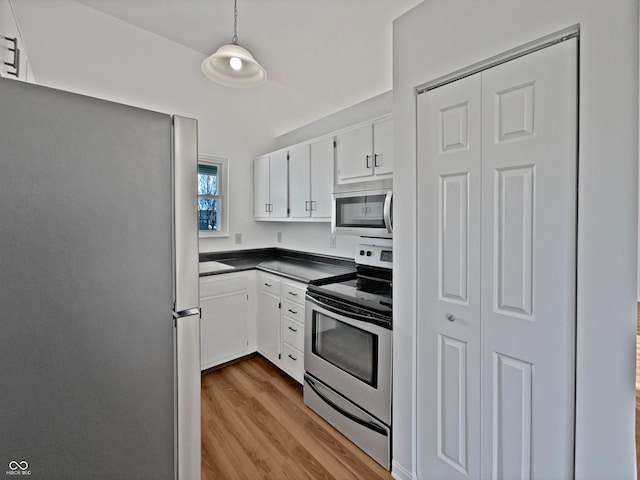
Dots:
(400, 473)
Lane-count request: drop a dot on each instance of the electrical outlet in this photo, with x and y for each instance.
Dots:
(238, 238)
(333, 241)
(279, 236)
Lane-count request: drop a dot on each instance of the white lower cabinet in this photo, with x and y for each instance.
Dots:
(280, 323)
(225, 327)
(268, 317)
(245, 312)
(292, 321)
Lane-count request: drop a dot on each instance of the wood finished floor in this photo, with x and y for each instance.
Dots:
(255, 425)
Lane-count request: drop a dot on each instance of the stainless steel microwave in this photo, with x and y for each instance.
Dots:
(366, 213)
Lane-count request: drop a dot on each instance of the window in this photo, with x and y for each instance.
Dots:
(212, 200)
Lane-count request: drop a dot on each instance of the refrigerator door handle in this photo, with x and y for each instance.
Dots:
(186, 313)
(185, 214)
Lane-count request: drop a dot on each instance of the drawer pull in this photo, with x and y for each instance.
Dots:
(293, 293)
(268, 285)
(293, 311)
(292, 357)
(292, 329)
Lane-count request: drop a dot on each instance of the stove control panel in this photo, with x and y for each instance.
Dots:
(374, 256)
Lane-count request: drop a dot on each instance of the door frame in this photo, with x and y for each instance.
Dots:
(507, 56)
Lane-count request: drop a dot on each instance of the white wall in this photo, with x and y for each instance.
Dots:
(75, 48)
(441, 36)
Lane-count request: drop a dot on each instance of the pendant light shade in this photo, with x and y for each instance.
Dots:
(233, 65)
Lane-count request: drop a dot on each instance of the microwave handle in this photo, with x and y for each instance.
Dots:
(387, 211)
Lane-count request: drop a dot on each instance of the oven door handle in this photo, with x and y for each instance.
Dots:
(343, 313)
(360, 421)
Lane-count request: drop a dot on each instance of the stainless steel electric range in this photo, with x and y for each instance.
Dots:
(348, 342)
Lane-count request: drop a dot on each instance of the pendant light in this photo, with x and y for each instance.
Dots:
(233, 65)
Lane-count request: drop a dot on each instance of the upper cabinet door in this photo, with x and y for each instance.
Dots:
(383, 148)
(300, 184)
(13, 56)
(354, 154)
(278, 184)
(261, 187)
(321, 178)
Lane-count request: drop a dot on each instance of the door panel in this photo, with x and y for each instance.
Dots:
(452, 402)
(449, 265)
(529, 213)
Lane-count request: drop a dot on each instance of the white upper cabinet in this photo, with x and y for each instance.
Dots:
(300, 185)
(261, 187)
(383, 148)
(354, 154)
(365, 152)
(311, 179)
(270, 179)
(321, 177)
(278, 183)
(13, 55)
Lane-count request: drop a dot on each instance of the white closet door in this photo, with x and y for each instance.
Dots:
(529, 209)
(449, 178)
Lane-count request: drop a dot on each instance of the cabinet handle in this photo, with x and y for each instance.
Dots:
(451, 317)
(293, 293)
(306, 206)
(293, 311)
(292, 357)
(16, 57)
(375, 159)
(268, 285)
(292, 329)
(368, 161)
(313, 205)
(266, 207)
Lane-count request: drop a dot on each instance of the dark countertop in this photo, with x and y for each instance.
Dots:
(299, 266)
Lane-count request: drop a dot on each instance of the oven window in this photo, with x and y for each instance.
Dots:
(360, 211)
(351, 349)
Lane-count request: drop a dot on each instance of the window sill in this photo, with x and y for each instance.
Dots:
(204, 234)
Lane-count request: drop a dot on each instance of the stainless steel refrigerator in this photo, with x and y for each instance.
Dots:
(99, 307)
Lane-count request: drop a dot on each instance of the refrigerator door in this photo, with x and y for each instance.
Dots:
(86, 330)
(186, 296)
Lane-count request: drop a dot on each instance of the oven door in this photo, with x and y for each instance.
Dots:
(350, 354)
(366, 213)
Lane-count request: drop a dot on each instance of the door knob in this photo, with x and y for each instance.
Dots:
(451, 317)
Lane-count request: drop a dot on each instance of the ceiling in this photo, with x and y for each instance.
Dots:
(338, 52)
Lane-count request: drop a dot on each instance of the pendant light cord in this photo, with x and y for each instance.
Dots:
(234, 39)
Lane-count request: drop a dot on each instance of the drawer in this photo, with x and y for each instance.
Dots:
(214, 285)
(293, 310)
(270, 283)
(293, 362)
(293, 333)
(294, 292)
